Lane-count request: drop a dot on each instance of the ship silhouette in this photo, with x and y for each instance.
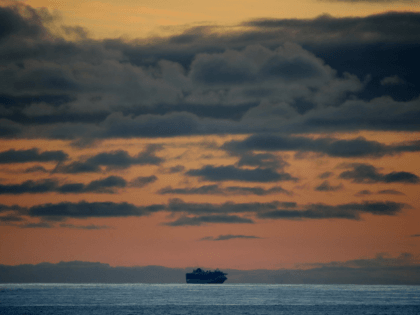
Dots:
(202, 276)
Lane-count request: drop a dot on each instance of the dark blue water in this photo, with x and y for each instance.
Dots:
(168, 299)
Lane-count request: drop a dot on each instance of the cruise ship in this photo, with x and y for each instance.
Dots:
(202, 276)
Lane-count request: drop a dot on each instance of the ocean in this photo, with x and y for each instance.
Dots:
(184, 299)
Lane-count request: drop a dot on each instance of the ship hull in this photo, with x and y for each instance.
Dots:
(198, 276)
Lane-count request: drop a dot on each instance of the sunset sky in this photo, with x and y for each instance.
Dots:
(230, 134)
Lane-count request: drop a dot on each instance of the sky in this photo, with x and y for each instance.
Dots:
(233, 135)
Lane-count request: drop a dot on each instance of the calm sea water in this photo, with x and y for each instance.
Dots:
(168, 299)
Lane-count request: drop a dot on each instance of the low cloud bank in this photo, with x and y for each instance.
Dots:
(403, 269)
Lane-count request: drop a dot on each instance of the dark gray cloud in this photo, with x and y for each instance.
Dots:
(259, 191)
(358, 147)
(364, 192)
(90, 210)
(123, 159)
(43, 225)
(30, 186)
(381, 260)
(77, 167)
(390, 192)
(415, 235)
(380, 192)
(202, 190)
(10, 101)
(286, 210)
(230, 190)
(325, 186)
(84, 227)
(350, 211)
(382, 27)
(256, 80)
(366, 173)
(204, 219)
(325, 175)
(142, 181)
(15, 23)
(104, 185)
(176, 169)
(228, 237)
(31, 155)
(111, 160)
(218, 111)
(10, 218)
(196, 214)
(4, 208)
(152, 126)
(362, 115)
(264, 160)
(178, 206)
(230, 172)
(35, 169)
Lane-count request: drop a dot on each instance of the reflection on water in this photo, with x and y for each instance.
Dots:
(207, 299)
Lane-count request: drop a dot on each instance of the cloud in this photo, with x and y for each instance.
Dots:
(382, 27)
(84, 227)
(381, 270)
(30, 186)
(390, 192)
(325, 186)
(366, 173)
(350, 211)
(104, 185)
(252, 81)
(363, 193)
(85, 209)
(392, 80)
(325, 175)
(142, 181)
(226, 173)
(228, 237)
(380, 192)
(31, 155)
(259, 191)
(196, 214)
(111, 160)
(36, 169)
(230, 190)
(264, 160)
(122, 159)
(202, 190)
(4, 208)
(43, 225)
(184, 94)
(26, 24)
(10, 218)
(415, 235)
(176, 169)
(204, 219)
(381, 260)
(358, 147)
(178, 206)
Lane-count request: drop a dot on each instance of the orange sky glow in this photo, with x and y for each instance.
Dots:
(343, 185)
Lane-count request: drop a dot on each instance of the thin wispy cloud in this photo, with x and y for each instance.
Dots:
(227, 237)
